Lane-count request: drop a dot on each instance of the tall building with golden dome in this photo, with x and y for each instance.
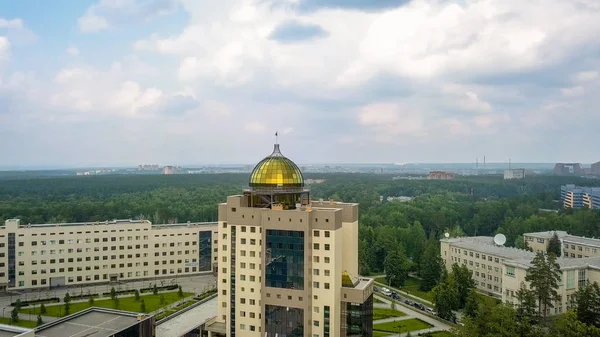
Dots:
(288, 265)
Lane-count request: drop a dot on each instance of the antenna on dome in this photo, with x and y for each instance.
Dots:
(276, 137)
(500, 239)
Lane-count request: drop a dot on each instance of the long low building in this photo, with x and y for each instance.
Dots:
(499, 271)
(49, 255)
(572, 246)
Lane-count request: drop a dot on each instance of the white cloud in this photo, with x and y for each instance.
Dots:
(107, 13)
(72, 51)
(389, 120)
(4, 48)
(255, 127)
(13, 23)
(586, 76)
(573, 91)
(92, 23)
(466, 99)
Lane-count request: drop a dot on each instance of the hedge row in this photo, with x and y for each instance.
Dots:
(33, 302)
(151, 289)
(80, 297)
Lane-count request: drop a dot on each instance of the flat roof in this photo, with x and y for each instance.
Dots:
(13, 331)
(547, 234)
(94, 322)
(187, 321)
(566, 237)
(564, 263)
(486, 245)
(582, 240)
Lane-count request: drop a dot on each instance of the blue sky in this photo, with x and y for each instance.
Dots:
(125, 82)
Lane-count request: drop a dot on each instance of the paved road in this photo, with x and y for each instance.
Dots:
(414, 313)
(196, 284)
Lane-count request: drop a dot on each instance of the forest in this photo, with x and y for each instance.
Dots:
(476, 205)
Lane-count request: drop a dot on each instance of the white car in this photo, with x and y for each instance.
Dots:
(386, 291)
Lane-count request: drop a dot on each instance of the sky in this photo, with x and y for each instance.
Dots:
(176, 82)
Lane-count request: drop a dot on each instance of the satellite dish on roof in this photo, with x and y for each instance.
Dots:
(447, 235)
(500, 239)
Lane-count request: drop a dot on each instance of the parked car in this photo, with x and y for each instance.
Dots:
(420, 306)
(409, 302)
(430, 310)
(386, 291)
(375, 289)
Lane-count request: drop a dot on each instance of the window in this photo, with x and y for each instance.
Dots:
(327, 246)
(315, 246)
(582, 279)
(510, 271)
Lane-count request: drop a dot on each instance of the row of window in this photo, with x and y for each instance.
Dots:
(476, 255)
(581, 248)
(72, 279)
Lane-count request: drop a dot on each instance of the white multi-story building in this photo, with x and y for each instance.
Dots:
(288, 265)
(499, 271)
(47, 255)
(572, 246)
(514, 174)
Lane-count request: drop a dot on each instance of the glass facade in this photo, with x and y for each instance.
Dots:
(232, 289)
(326, 320)
(358, 318)
(284, 259)
(205, 244)
(11, 260)
(284, 321)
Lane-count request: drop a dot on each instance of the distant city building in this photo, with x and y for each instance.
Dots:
(577, 196)
(499, 271)
(171, 170)
(514, 174)
(288, 265)
(314, 181)
(569, 169)
(399, 199)
(67, 254)
(595, 170)
(440, 175)
(148, 168)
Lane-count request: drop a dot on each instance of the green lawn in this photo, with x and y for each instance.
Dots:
(380, 313)
(380, 334)
(22, 322)
(402, 326)
(411, 286)
(125, 303)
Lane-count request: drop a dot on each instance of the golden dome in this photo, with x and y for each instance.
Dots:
(276, 171)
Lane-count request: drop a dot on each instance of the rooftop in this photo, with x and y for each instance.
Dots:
(547, 234)
(94, 322)
(582, 240)
(111, 222)
(13, 331)
(565, 264)
(485, 244)
(566, 237)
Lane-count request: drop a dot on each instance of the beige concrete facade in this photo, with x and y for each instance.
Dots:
(499, 271)
(484, 258)
(330, 234)
(40, 256)
(572, 246)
